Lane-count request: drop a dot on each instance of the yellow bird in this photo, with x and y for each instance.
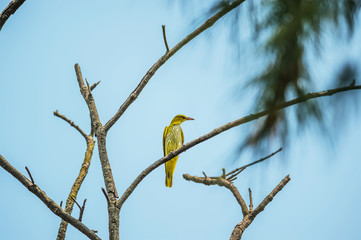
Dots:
(173, 139)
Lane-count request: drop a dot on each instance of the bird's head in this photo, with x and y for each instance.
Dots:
(180, 118)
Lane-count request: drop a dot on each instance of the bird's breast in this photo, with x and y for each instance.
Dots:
(173, 140)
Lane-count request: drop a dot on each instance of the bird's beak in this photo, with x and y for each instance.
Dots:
(189, 118)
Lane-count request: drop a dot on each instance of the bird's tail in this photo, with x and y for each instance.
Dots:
(168, 180)
(169, 170)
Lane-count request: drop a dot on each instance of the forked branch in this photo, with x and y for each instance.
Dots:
(247, 220)
(248, 214)
(55, 208)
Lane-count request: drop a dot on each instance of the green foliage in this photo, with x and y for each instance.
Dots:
(292, 26)
(285, 30)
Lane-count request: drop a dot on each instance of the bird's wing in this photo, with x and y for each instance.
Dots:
(182, 136)
(164, 135)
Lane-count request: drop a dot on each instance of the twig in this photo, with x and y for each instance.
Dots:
(31, 177)
(250, 200)
(61, 203)
(9, 10)
(239, 170)
(105, 194)
(82, 211)
(88, 86)
(76, 202)
(223, 128)
(232, 179)
(223, 173)
(56, 113)
(94, 86)
(165, 38)
(56, 209)
(207, 24)
(204, 174)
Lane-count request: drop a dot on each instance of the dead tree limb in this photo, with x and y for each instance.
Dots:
(9, 10)
(76, 187)
(247, 220)
(55, 208)
(248, 214)
(100, 133)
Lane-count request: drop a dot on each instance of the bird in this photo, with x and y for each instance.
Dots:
(173, 139)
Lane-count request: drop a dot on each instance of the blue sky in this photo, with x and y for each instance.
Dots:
(117, 43)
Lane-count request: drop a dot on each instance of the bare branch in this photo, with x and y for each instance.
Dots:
(9, 10)
(31, 177)
(250, 200)
(55, 208)
(82, 211)
(88, 97)
(61, 203)
(239, 170)
(165, 38)
(220, 181)
(270, 196)
(207, 24)
(94, 86)
(76, 202)
(56, 113)
(247, 220)
(99, 133)
(76, 187)
(223, 128)
(88, 86)
(105, 194)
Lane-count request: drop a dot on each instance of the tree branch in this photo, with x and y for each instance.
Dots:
(76, 187)
(220, 181)
(223, 128)
(88, 97)
(82, 210)
(165, 38)
(9, 10)
(31, 177)
(237, 171)
(94, 86)
(57, 210)
(247, 220)
(99, 133)
(56, 113)
(207, 24)
(250, 200)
